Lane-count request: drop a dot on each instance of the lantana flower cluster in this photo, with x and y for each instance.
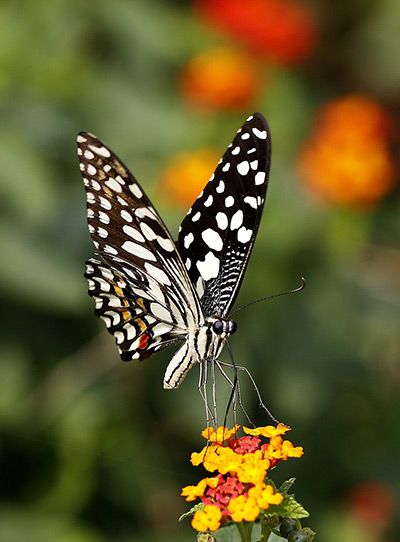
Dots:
(239, 490)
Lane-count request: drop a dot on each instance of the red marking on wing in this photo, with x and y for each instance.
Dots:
(144, 341)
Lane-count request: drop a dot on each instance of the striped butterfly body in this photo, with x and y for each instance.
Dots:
(151, 292)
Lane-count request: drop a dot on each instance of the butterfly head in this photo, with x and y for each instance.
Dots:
(224, 327)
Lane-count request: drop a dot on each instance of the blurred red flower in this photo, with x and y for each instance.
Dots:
(373, 503)
(221, 78)
(282, 30)
(348, 160)
(186, 175)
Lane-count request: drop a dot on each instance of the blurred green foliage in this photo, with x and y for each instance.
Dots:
(95, 450)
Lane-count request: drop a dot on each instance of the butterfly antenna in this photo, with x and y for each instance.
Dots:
(295, 290)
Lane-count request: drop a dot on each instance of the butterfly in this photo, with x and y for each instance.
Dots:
(152, 292)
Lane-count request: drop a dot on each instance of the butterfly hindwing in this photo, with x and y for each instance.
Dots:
(217, 235)
(140, 276)
(136, 317)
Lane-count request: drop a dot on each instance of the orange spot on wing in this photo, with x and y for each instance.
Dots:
(121, 296)
(142, 325)
(118, 291)
(139, 301)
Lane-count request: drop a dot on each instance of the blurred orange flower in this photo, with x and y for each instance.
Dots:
(221, 78)
(282, 30)
(354, 117)
(185, 176)
(347, 159)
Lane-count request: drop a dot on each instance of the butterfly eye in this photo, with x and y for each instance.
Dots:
(218, 327)
(232, 327)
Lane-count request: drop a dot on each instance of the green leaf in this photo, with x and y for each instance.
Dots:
(289, 508)
(286, 486)
(229, 533)
(195, 508)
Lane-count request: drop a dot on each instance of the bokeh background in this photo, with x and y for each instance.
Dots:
(93, 449)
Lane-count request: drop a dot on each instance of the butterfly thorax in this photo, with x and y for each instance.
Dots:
(202, 345)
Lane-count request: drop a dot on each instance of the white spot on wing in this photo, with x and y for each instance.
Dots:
(104, 218)
(119, 336)
(196, 217)
(251, 200)
(132, 232)
(158, 274)
(160, 312)
(209, 268)
(226, 167)
(121, 201)
(101, 151)
(105, 203)
(245, 135)
(212, 239)
(208, 201)
(260, 177)
(148, 232)
(126, 216)
(221, 187)
(200, 286)
(166, 244)
(229, 201)
(188, 240)
(237, 220)
(91, 169)
(236, 150)
(244, 235)
(138, 250)
(110, 250)
(134, 188)
(112, 183)
(261, 134)
(243, 167)
(141, 212)
(222, 221)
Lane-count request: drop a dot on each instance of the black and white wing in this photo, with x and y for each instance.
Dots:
(140, 286)
(218, 232)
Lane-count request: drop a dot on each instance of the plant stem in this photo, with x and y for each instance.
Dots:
(265, 531)
(245, 528)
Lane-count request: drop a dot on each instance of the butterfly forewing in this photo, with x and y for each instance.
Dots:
(218, 233)
(140, 285)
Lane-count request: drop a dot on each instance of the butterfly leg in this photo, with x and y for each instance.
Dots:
(236, 395)
(249, 375)
(202, 387)
(214, 391)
